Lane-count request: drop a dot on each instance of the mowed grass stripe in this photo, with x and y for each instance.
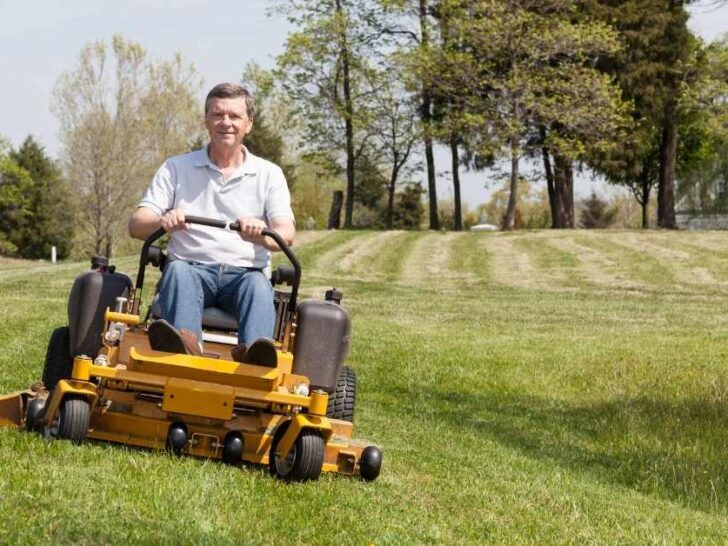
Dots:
(642, 272)
(429, 264)
(389, 257)
(470, 258)
(709, 254)
(511, 266)
(332, 250)
(557, 267)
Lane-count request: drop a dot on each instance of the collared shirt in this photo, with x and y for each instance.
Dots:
(194, 184)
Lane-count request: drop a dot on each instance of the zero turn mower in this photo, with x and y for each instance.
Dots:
(102, 381)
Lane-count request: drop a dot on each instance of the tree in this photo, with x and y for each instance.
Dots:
(121, 115)
(416, 50)
(271, 113)
(395, 130)
(596, 213)
(49, 203)
(520, 65)
(15, 212)
(408, 210)
(322, 72)
(703, 159)
(654, 69)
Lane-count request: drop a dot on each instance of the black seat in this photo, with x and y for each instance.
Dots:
(212, 317)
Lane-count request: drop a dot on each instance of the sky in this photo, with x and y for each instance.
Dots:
(41, 39)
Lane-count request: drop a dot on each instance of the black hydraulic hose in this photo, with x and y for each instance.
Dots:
(144, 256)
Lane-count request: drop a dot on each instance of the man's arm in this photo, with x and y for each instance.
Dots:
(251, 228)
(145, 221)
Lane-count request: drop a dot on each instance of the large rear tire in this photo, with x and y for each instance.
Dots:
(305, 459)
(342, 401)
(73, 418)
(58, 362)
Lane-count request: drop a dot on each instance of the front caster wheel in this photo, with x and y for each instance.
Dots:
(305, 459)
(73, 418)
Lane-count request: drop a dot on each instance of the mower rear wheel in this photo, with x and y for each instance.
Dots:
(305, 459)
(74, 418)
(343, 400)
(58, 361)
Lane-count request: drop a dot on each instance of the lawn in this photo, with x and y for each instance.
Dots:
(527, 388)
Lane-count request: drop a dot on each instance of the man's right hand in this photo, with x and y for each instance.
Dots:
(174, 220)
(145, 221)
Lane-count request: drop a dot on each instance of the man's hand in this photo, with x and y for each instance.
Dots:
(251, 229)
(174, 220)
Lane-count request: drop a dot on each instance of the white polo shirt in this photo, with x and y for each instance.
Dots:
(192, 183)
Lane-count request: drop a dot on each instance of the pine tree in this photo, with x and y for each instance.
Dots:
(50, 221)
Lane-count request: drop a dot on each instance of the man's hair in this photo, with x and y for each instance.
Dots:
(230, 91)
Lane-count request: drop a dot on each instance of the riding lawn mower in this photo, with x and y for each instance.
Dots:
(102, 380)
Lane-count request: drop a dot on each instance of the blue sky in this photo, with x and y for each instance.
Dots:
(39, 40)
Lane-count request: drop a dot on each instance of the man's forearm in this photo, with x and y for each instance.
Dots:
(143, 223)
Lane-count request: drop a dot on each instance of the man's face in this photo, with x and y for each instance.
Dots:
(227, 122)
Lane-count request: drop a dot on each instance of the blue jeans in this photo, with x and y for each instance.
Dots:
(247, 294)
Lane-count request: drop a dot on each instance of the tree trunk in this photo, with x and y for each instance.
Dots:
(335, 213)
(509, 219)
(390, 197)
(458, 224)
(426, 115)
(349, 123)
(553, 201)
(645, 201)
(564, 192)
(666, 186)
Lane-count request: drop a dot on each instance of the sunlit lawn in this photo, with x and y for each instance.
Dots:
(528, 388)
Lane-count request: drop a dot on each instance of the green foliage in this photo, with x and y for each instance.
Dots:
(532, 208)
(596, 213)
(703, 166)
(51, 214)
(15, 205)
(264, 142)
(316, 179)
(408, 209)
(371, 183)
(121, 115)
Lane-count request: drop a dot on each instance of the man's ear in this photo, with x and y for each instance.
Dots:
(250, 127)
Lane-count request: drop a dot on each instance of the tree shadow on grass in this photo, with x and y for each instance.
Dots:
(673, 449)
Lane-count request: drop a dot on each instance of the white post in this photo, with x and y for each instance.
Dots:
(53, 254)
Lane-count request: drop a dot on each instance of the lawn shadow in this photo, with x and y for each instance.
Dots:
(672, 449)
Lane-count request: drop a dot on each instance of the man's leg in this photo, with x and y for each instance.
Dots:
(248, 294)
(183, 293)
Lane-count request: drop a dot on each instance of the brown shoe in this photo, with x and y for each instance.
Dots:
(262, 352)
(238, 352)
(165, 337)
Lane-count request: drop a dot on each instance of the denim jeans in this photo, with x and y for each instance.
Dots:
(247, 294)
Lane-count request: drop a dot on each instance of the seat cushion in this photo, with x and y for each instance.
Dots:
(212, 317)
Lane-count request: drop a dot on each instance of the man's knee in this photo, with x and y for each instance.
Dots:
(256, 283)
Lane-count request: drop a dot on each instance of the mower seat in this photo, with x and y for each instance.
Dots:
(212, 317)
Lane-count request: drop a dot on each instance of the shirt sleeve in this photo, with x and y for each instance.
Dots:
(160, 194)
(278, 200)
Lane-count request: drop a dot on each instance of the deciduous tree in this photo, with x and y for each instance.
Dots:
(121, 115)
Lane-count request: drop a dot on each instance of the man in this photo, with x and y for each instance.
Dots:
(212, 266)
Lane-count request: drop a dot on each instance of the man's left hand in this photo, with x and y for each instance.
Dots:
(251, 229)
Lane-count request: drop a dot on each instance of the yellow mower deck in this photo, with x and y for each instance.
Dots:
(135, 394)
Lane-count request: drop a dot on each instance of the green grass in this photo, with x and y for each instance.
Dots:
(528, 388)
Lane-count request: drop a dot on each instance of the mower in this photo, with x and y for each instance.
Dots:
(102, 380)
